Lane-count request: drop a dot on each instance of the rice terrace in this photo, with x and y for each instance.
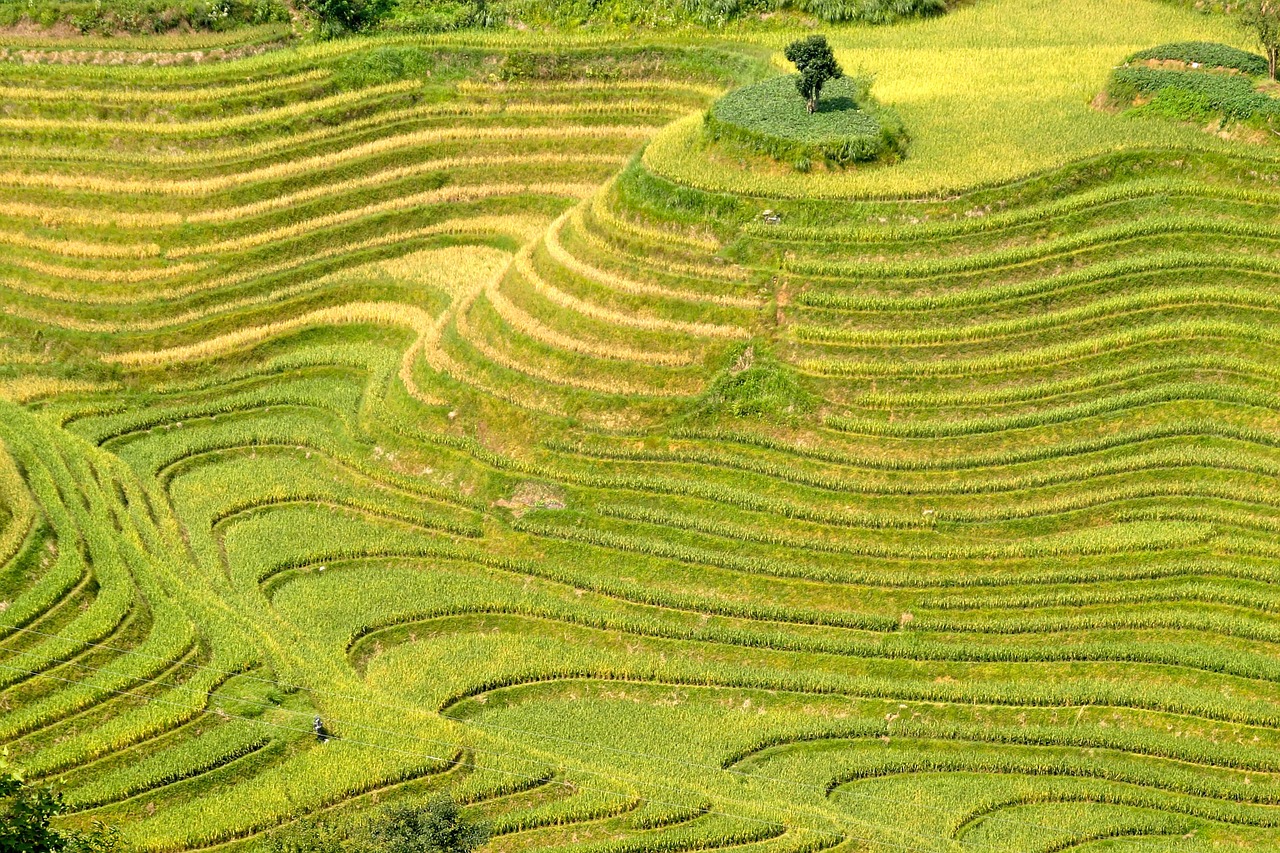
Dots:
(609, 426)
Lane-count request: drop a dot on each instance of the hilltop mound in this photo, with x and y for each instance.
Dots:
(770, 118)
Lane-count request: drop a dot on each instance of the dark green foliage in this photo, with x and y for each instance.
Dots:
(755, 385)
(101, 839)
(435, 827)
(443, 16)
(816, 63)
(1234, 97)
(1180, 105)
(848, 126)
(1206, 53)
(26, 821)
(717, 13)
(342, 17)
(872, 11)
(1261, 18)
(1198, 94)
(110, 17)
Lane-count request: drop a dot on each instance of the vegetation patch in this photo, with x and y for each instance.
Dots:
(134, 17)
(1199, 82)
(755, 385)
(1204, 54)
(1233, 97)
(847, 126)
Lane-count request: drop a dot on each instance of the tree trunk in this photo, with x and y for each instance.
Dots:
(1272, 54)
(812, 104)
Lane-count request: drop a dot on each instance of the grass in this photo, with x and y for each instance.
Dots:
(483, 417)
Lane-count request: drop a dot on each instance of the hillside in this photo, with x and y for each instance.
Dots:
(641, 496)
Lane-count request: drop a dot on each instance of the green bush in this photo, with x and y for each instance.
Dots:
(755, 385)
(26, 821)
(771, 118)
(435, 827)
(872, 11)
(1208, 54)
(443, 16)
(337, 18)
(136, 17)
(1234, 97)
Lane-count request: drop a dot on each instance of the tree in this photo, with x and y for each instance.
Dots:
(816, 63)
(26, 821)
(1262, 18)
(340, 17)
(437, 827)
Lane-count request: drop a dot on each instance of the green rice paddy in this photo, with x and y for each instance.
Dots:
(476, 406)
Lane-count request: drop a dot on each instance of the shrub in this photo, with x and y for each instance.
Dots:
(26, 816)
(442, 16)
(437, 826)
(872, 11)
(341, 17)
(1232, 96)
(1206, 53)
(717, 13)
(757, 385)
(109, 17)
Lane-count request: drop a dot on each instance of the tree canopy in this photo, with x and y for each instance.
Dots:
(1262, 18)
(437, 827)
(341, 17)
(26, 821)
(816, 63)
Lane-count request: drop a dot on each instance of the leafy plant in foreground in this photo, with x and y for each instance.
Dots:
(26, 816)
(1206, 53)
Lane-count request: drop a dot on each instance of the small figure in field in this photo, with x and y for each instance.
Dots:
(322, 734)
(816, 63)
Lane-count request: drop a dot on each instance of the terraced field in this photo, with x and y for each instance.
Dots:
(422, 402)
